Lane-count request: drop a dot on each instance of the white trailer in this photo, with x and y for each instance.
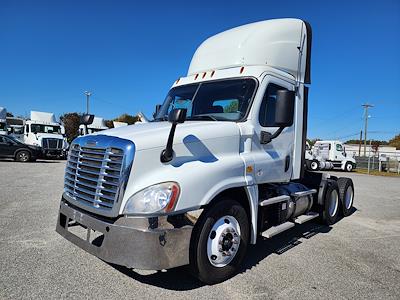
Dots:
(99, 124)
(226, 168)
(334, 152)
(44, 131)
(3, 121)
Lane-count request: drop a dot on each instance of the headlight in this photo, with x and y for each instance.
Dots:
(156, 198)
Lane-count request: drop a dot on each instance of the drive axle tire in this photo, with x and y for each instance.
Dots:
(346, 194)
(23, 156)
(331, 206)
(219, 242)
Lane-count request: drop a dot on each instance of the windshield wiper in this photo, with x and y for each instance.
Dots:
(205, 117)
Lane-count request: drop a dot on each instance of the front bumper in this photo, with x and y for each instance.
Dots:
(142, 243)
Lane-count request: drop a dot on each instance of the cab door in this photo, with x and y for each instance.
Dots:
(7, 147)
(272, 160)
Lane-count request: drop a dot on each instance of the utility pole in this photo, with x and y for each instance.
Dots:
(366, 106)
(88, 94)
(359, 144)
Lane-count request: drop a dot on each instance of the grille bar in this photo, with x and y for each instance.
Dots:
(88, 178)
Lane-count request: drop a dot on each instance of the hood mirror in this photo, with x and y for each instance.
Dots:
(175, 117)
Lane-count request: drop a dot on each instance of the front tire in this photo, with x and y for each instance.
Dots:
(219, 242)
(314, 165)
(23, 156)
(349, 167)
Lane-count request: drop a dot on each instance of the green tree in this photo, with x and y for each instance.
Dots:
(395, 142)
(232, 107)
(71, 123)
(127, 119)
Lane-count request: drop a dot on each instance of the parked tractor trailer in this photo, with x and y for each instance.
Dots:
(222, 162)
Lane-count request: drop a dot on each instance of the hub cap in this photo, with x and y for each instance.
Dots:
(348, 198)
(23, 156)
(333, 203)
(223, 241)
(314, 165)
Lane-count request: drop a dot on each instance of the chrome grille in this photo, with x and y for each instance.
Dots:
(93, 175)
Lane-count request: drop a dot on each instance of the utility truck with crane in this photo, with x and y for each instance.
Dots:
(221, 164)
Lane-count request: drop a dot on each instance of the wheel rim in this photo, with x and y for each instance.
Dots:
(348, 198)
(349, 167)
(333, 203)
(23, 156)
(314, 165)
(223, 241)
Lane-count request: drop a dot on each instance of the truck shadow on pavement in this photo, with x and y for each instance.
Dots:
(179, 279)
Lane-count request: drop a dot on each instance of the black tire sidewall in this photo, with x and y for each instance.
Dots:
(200, 264)
(347, 164)
(343, 185)
(22, 151)
(317, 162)
(326, 217)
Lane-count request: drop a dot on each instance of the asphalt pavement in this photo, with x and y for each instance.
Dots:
(357, 258)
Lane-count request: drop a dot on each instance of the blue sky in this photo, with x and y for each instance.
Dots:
(129, 54)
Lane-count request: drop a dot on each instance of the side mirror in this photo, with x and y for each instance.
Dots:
(176, 116)
(284, 108)
(87, 119)
(35, 132)
(158, 107)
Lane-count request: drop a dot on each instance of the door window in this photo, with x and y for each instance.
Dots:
(268, 106)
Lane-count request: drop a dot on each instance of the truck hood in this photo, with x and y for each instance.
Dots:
(155, 134)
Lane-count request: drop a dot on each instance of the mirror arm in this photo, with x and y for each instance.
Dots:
(168, 153)
(267, 137)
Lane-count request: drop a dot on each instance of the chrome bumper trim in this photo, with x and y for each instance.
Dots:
(142, 243)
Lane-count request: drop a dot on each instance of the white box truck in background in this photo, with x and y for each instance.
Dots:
(3, 121)
(119, 124)
(226, 168)
(44, 131)
(98, 124)
(334, 152)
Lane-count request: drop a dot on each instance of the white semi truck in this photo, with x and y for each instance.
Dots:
(97, 125)
(3, 121)
(44, 131)
(333, 152)
(226, 168)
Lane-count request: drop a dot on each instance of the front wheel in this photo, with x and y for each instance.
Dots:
(315, 165)
(23, 156)
(349, 167)
(219, 242)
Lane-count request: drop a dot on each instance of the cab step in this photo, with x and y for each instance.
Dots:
(304, 193)
(269, 233)
(307, 217)
(274, 200)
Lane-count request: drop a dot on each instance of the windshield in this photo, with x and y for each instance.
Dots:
(2, 126)
(223, 100)
(39, 128)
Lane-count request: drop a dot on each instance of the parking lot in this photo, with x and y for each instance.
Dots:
(356, 258)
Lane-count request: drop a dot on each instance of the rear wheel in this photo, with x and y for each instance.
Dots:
(219, 242)
(346, 193)
(314, 165)
(330, 210)
(23, 156)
